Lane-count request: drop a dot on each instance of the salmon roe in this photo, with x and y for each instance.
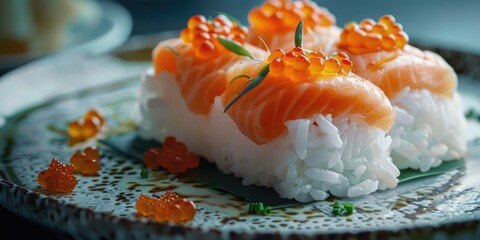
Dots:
(280, 16)
(174, 156)
(371, 36)
(58, 178)
(86, 162)
(85, 128)
(300, 65)
(203, 34)
(168, 207)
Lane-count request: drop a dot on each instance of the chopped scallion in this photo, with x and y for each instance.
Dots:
(299, 34)
(234, 47)
(144, 173)
(344, 209)
(259, 209)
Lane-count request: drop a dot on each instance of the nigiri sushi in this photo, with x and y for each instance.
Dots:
(310, 127)
(421, 86)
(195, 65)
(322, 127)
(274, 23)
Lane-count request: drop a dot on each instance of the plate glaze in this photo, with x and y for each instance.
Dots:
(104, 206)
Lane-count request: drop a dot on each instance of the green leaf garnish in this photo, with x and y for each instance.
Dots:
(234, 47)
(133, 147)
(410, 174)
(231, 18)
(299, 34)
(265, 70)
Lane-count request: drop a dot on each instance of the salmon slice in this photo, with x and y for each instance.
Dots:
(261, 113)
(410, 67)
(200, 80)
(381, 54)
(271, 40)
(319, 39)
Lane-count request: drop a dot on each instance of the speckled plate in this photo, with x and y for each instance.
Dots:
(50, 93)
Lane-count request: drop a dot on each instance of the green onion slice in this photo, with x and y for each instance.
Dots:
(299, 34)
(261, 76)
(144, 173)
(234, 47)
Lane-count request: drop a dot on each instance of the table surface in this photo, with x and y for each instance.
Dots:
(439, 23)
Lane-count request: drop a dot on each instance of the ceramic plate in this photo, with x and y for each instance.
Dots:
(104, 206)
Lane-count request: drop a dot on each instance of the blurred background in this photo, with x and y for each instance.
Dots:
(32, 29)
(445, 23)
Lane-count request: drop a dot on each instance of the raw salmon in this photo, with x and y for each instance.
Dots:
(381, 54)
(200, 80)
(261, 113)
(410, 67)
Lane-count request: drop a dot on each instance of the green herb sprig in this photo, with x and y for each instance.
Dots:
(299, 34)
(344, 209)
(254, 82)
(240, 76)
(259, 209)
(234, 47)
(144, 173)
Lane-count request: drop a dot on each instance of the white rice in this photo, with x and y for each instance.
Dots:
(313, 158)
(428, 129)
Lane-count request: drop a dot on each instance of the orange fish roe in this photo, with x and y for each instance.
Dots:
(86, 162)
(280, 16)
(371, 36)
(203, 34)
(168, 207)
(85, 128)
(58, 178)
(300, 66)
(174, 157)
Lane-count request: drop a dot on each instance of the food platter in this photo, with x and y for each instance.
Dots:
(441, 206)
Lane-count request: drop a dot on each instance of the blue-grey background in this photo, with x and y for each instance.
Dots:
(453, 24)
(443, 23)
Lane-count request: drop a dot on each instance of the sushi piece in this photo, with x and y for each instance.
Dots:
(275, 21)
(198, 60)
(311, 128)
(421, 86)
(186, 76)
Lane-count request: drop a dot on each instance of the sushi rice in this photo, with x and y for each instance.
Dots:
(312, 159)
(428, 129)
